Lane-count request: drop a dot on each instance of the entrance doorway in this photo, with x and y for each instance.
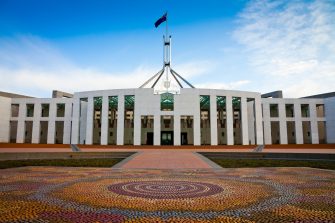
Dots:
(150, 138)
(147, 129)
(167, 138)
(184, 138)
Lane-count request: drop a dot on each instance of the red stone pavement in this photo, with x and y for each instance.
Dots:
(165, 159)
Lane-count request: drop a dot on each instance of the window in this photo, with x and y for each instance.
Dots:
(30, 110)
(289, 110)
(112, 111)
(167, 102)
(320, 110)
(274, 110)
(129, 105)
(304, 110)
(15, 110)
(97, 111)
(61, 110)
(45, 110)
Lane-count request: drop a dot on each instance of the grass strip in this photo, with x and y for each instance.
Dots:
(61, 162)
(240, 163)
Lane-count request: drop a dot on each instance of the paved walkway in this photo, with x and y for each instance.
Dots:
(167, 159)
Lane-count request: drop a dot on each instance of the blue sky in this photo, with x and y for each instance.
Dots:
(256, 45)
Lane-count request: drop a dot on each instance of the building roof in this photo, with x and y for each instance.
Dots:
(324, 95)
(12, 95)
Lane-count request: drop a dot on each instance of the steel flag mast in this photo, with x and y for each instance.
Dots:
(167, 70)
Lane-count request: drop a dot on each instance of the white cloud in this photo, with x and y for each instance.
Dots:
(291, 44)
(28, 63)
(75, 79)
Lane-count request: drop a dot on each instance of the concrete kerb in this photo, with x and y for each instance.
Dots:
(208, 161)
(126, 160)
(64, 155)
(75, 148)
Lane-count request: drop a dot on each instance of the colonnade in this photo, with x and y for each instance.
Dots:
(177, 113)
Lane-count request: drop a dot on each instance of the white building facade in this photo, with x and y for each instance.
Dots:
(140, 116)
(163, 112)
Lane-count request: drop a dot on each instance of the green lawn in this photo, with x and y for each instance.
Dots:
(238, 163)
(61, 162)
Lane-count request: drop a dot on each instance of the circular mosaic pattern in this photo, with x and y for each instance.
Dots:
(165, 189)
(248, 195)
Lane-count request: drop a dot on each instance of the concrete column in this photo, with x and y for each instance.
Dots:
(196, 127)
(176, 130)
(67, 123)
(259, 121)
(267, 123)
(157, 130)
(251, 122)
(244, 116)
(104, 121)
(213, 120)
(20, 123)
(52, 123)
(282, 122)
(83, 121)
(89, 121)
(5, 111)
(298, 124)
(229, 117)
(314, 124)
(137, 129)
(36, 123)
(329, 104)
(120, 120)
(75, 121)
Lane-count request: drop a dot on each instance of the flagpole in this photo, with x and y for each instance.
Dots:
(166, 26)
(168, 47)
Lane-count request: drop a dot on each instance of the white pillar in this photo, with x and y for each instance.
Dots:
(196, 126)
(244, 116)
(83, 121)
(298, 124)
(52, 123)
(314, 124)
(89, 121)
(282, 122)
(267, 124)
(259, 121)
(229, 117)
(213, 120)
(120, 120)
(5, 111)
(36, 123)
(251, 122)
(157, 130)
(137, 129)
(67, 123)
(329, 106)
(75, 121)
(176, 130)
(20, 123)
(104, 121)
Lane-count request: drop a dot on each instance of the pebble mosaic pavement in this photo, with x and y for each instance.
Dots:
(65, 194)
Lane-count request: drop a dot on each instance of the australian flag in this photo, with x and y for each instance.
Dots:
(161, 20)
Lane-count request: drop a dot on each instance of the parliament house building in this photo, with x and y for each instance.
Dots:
(167, 110)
